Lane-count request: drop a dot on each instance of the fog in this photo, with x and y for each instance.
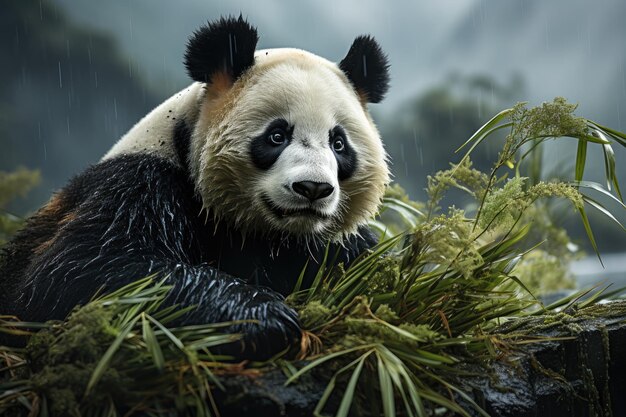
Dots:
(570, 48)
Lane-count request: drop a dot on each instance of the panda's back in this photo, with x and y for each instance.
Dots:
(153, 134)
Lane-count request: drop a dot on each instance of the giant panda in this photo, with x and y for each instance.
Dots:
(226, 190)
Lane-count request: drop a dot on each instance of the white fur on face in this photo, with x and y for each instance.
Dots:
(303, 160)
(314, 97)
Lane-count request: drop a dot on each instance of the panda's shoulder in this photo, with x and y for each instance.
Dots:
(133, 177)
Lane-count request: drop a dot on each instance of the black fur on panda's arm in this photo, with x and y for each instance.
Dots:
(221, 298)
(119, 221)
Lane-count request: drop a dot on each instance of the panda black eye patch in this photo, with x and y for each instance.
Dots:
(344, 153)
(267, 147)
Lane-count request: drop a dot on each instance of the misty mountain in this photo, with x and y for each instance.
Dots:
(573, 49)
(67, 94)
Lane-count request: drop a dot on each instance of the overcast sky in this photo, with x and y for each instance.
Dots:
(155, 31)
(572, 48)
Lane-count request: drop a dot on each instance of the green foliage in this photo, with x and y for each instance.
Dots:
(13, 184)
(116, 353)
(529, 129)
(462, 177)
(543, 272)
(398, 213)
(423, 133)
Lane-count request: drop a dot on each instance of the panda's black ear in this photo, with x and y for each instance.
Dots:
(224, 47)
(367, 68)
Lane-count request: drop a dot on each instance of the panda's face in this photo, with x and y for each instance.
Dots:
(299, 168)
(290, 148)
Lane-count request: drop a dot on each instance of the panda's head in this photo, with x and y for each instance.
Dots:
(284, 141)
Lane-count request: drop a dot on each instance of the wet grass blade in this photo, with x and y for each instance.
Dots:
(484, 130)
(587, 226)
(565, 300)
(581, 157)
(106, 359)
(169, 334)
(609, 164)
(594, 297)
(619, 137)
(348, 395)
(409, 214)
(597, 187)
(478, 140)
(595, 204)
(326, 358)
(298, 285)
(386, 389)
(152, 343)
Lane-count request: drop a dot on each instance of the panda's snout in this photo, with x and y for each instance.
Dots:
(313, 190)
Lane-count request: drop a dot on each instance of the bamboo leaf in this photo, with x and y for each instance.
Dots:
(386, 389)
(152, 343)
(592, 240)
(317, 281)
(581, 157)
(326, 358)
(478, 140)
(330, 387)
(620, 137)
(597, 187)
(594, 297)
(488, 127)
(298, 285)
(563, 301)
(591, 138)
(106, 359)
(609, 162)
(404, 209)
(168, 333)
(379, 227)
(348, 395)
(595, 204)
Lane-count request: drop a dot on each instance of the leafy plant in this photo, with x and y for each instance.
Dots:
(120, 352)
(12, 185)
(529, 129)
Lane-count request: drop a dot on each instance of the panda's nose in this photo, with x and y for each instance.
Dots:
(313, 190)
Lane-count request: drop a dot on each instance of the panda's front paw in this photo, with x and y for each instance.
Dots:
(269, 327)
(275, 328)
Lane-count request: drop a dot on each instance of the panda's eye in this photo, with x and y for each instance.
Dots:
(276, 137)
(339, 144)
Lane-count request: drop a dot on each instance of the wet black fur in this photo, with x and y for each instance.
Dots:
(367, 67)
(135, 215)
(226, 45)
(182, 144)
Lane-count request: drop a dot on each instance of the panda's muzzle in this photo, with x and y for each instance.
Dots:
(281, 212)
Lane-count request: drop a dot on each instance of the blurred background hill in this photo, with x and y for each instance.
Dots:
(77, 74)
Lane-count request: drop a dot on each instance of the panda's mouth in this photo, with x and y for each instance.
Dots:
(293, 212)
